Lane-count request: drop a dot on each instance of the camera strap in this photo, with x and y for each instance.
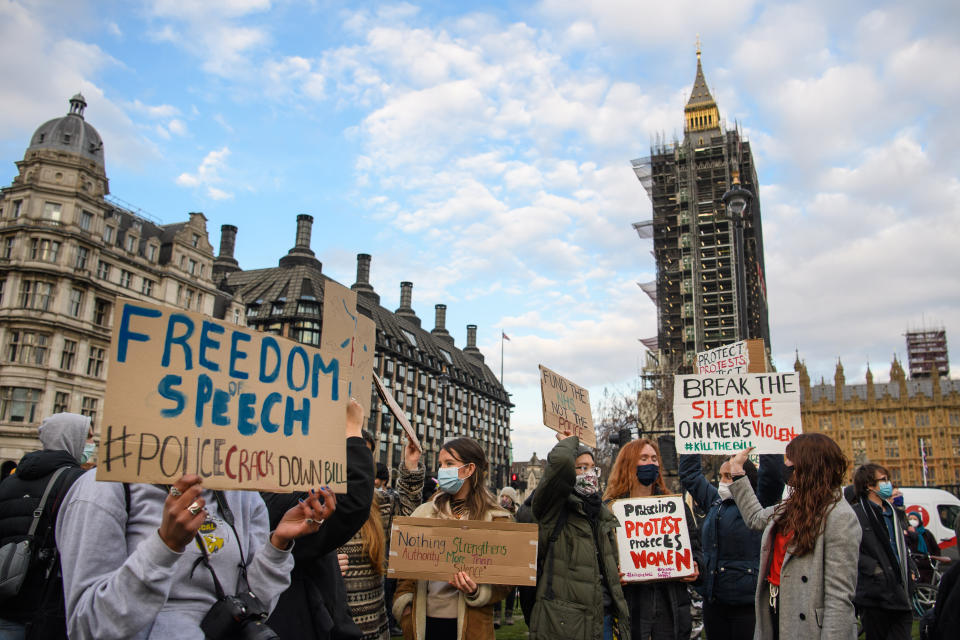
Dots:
(204, 558)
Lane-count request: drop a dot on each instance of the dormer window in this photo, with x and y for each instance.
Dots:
(109, 233)
(66, 138)
(131, 243)
(196, 241)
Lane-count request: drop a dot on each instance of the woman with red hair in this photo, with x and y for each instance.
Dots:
(810, 545)
(658, 610)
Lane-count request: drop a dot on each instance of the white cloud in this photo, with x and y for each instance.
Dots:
(210, 30)
(177, 126)
(208, 174)
(42, 68)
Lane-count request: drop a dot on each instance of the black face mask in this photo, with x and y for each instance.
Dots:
(647, 473)
(787, 473)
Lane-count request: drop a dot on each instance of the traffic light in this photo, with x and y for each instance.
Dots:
(620, 438)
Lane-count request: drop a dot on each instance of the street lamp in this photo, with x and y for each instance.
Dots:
(736, 202)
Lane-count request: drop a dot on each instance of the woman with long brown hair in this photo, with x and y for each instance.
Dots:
(810, 545)
(363, 557)
(458, 608)
(658, 610)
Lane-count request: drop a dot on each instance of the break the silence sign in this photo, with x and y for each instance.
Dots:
(653, 539)
(244, 410)
(566, 407)
(717, 414)
(490, 552)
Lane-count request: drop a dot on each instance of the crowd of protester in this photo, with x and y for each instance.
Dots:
(780, 551)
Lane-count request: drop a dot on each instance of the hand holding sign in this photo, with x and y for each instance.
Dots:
(737, 461)
(411, 455)
(354, 419)
(178, 525)
(463, 583)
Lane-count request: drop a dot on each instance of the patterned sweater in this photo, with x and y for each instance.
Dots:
(363, 581)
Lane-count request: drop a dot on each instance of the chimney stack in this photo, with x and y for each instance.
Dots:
(304, 226)
(225, 262)
(362, 286)
(440, 324)
(301, 254)
(228, 240)
(406, 303)
(471, 348)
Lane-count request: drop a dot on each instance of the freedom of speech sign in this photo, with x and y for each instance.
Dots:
(242, 409)
(717, 414)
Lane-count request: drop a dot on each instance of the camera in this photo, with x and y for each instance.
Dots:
(240, 616)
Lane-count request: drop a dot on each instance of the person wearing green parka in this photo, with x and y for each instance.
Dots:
(578, 592)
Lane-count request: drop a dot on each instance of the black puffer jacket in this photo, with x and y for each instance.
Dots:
(314, 607)
(20, 496)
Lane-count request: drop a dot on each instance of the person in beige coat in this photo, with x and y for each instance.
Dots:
(810, 546)
(458, 609)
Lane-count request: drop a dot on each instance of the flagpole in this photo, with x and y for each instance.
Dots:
(501, 356)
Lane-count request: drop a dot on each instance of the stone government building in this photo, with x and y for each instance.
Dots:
(68, 249)
(886, 422)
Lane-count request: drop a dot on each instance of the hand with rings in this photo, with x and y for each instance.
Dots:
(183, 513)
(306, 517)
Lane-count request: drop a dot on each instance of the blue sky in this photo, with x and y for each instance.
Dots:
(483, 152)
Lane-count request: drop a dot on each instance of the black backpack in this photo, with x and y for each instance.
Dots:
(48, 620)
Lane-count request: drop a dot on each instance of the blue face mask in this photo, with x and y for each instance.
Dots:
(449, 480)
(88, 450)
(884, 489)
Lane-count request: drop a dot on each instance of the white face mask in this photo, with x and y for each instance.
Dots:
(724, 489)
(914, 522)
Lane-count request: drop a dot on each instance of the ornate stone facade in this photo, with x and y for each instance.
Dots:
(886, 422)
(67, 252)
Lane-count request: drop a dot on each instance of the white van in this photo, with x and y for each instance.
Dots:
(939, 510)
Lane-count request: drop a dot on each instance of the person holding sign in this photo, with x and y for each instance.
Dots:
(578, 591)
(458, 608)
(810, 545)
(731, 550)
(315, 607)
(365, 553)
(149, 561)
(658, 610)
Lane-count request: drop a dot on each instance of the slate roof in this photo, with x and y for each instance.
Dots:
(291, 284)
(700, 95)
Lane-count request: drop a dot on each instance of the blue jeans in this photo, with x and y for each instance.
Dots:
(607, 627)
(12, 630)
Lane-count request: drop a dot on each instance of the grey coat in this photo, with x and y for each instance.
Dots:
(816, 589)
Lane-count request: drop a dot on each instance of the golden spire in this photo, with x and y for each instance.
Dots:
(701, 113)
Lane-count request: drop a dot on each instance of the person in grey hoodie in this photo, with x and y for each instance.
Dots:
(133, 570)
(37, 609)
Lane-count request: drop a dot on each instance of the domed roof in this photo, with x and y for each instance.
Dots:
(70, 133)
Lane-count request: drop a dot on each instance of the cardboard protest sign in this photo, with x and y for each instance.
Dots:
(364, 353)
(720, 414)
(566, 407)
(745, 356)
(490, 552)
(387, 396)
(653, 539)
(244, 410)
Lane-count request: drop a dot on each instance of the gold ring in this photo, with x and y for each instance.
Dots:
(194, 508)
